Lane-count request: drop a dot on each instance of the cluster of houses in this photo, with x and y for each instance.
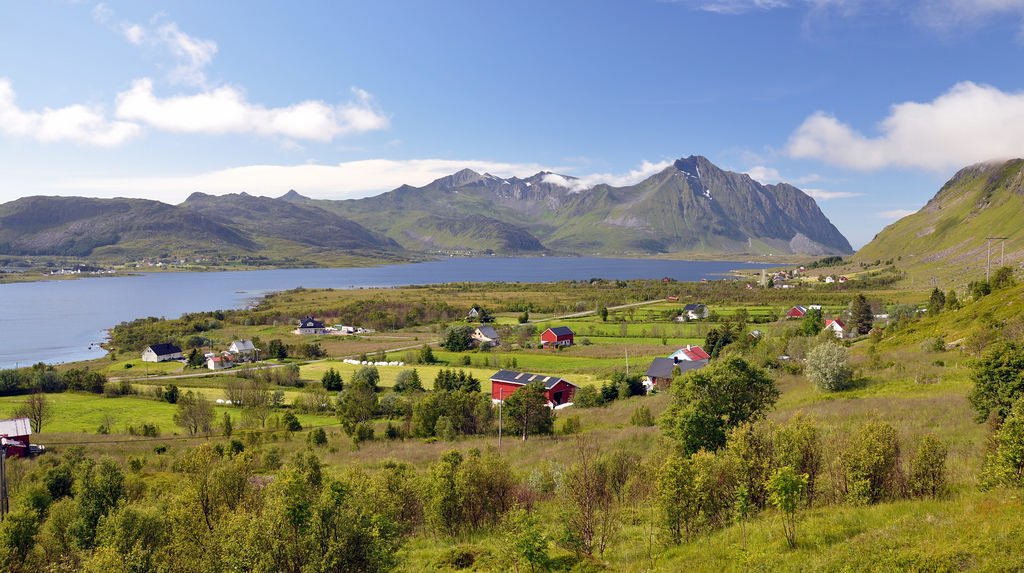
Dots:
(239, 351)
(836, 325)
(693, 311)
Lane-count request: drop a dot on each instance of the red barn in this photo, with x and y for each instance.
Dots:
(18, 430)
(557, 336)
(556, 390)
(797, 312)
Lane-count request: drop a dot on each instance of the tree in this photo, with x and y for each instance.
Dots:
(171, 394)
(871, 464)
(860, 313)
(525, 317)
(358, 401)
(332, 381)
(457, 338)
(1003, 277)
(450, 381)
(603, 313)
(952, 303)
(367, 375)
(785, 490)
(1005, 465)
(226, 425)
(676, 500)
(936, 302)
(813, 323)
(705, 404)
(928, 468)
(589, 509)
(195, 413)
(523, 542)
(196, 359)
(36, 408)
(291, 423)
(979, 289)
(828, 367)
(277, 349)
(527, 411)
(998, 380)
(426, 355)
(408, 381)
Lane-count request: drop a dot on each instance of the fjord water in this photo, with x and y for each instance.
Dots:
(63, 321)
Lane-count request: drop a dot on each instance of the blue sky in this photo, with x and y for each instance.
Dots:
(869, 105)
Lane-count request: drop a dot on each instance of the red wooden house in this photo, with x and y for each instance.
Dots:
(557, 336)
(797, 311)
(18, 430)
(557, 390)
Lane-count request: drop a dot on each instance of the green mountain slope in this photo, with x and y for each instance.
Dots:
(948, 236)
(77, 226)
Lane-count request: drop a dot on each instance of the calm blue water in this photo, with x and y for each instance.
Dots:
(58, 321)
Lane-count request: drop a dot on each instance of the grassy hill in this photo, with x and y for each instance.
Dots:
(946, 240)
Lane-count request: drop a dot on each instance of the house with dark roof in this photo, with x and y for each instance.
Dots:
(558, 391)
(661, 371)
(310, 325)
(161, 353)
(485, 335)
(696, 311)
(557, 336)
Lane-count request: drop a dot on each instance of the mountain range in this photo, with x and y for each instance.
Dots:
(691, 207)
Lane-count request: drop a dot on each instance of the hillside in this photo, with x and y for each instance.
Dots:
(232, 227)
(692, 207)
(81, 227)
(946, 239)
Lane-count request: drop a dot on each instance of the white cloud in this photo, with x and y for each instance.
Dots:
(77, 123)
(955, 14)
(226, 110)
(102, 13)
(970, 123)
(134, 33)
(341, 181)
(765, 175)
(193, 54)
(823, 195)
(584, 182)
(896, 214)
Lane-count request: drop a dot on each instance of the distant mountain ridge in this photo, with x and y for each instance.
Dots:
(691, 206)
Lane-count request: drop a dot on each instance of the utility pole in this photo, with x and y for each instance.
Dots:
(988, 263)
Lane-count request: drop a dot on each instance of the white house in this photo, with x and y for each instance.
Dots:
(690, 354)
(219, 362)
(243, 350)
(836, 326)
(161, 353)
(485, 335)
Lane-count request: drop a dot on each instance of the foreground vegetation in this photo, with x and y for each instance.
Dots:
(898, 449)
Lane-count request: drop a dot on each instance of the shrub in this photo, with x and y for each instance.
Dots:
(642, 417)
(928, 468)
(935, 344)
(587, 397)
(318, 437)
(1005, 465)
(871, 464)
(571, 426)
(828, 367)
